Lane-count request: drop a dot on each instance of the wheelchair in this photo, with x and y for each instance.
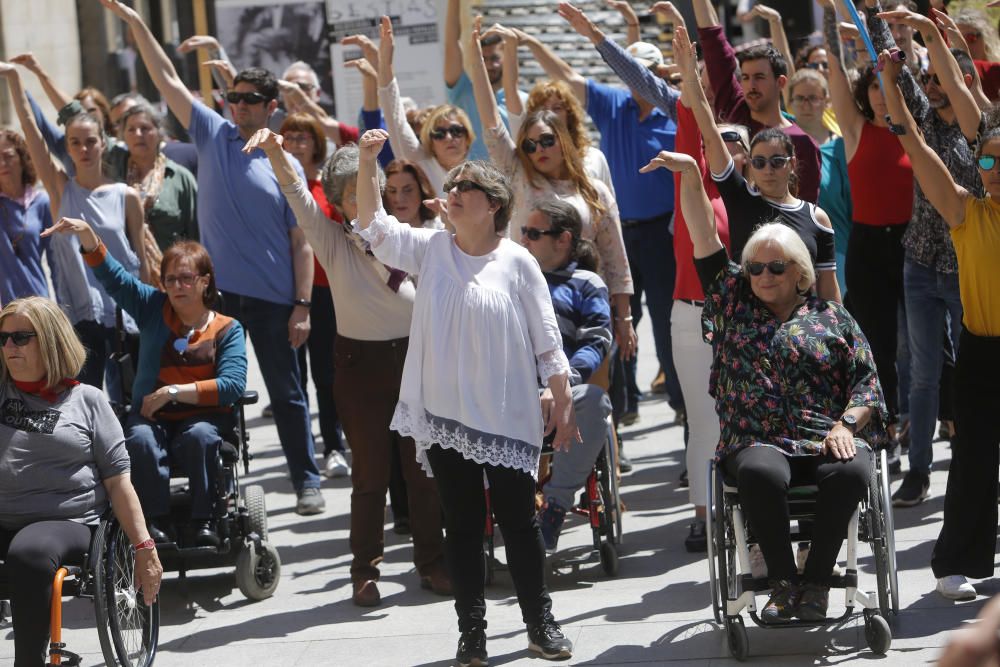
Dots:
(600, 502)
(128, 628)
(734, 588)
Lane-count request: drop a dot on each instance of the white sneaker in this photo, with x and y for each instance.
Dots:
(956, 587)
(336, 466)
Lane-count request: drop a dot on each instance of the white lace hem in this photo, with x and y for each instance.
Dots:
(483, 448)
(378, 228)
(553, 362)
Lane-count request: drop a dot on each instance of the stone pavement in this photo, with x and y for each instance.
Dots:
(654, 613)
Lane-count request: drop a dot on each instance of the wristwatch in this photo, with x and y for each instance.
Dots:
(305, 303)
(173, 392)
(850, 422)
(148, 544)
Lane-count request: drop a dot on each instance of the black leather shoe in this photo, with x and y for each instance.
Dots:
(472, 649)
(204, 534)
(158, 534)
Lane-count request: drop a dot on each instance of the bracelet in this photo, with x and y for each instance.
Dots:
(627, 318)
(303, 302)
(633, 25)
(147, 544)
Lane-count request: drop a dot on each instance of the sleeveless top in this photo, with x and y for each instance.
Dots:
(78, 291)
(881, 179)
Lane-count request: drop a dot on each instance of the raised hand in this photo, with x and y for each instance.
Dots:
(890, 68)
(122, 11)
(387, 43)
(440, 208)
(474, 46)
(27, 61)
(265, 140)
(88, 238)
(371, 143)
(367, 46)
(684, 53)
(363, 66)
(224, 68)
(505, 33)
(670, 12)
(763, 12)
(7, 70)
(198, 42)
(625, 9)
(580, 22)
(675, 162)
(918, 22)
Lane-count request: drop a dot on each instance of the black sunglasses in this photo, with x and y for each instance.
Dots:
(819, 65)
(20, 338)
(731, 136)
(456, 131)
(249, 98)
(464, 185)
(928, 78)
(535, 234)
(776, 161)
(547, 140)
(776, 267)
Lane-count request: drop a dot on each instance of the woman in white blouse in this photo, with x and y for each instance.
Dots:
(446, 135)
(483, 329)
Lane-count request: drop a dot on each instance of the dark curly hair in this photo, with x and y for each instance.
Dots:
(765, 52)
(28, 173)
(261, 79)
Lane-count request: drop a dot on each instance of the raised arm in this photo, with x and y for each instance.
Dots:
(486, 102)
(956, 40)
(452, 43)
(511, 70)
(623, 7)
(723, 72)
(223, 70)
(135, 225)
(369, 192)
(778, 38)
(161, 70)
(555, 67)
(49, 171)
(405, 143)
(58, 98)
(698, 213)
(368, 68)
(715, 148)
(704, 13)
(934, 178)
(849, 117)
(882, 40)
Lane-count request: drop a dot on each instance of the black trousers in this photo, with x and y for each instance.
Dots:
(763, 475)
(968, 538)
(874, 270)
(31, 557)
(323, 320)
(512, 493)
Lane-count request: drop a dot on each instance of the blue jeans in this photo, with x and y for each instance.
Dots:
(650, 250)
(267, 324)
(191, 442)
(929, 296)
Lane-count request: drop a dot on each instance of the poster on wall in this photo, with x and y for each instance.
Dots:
(275, 33)
(419, 59)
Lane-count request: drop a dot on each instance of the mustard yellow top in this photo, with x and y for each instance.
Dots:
(977, 246)
(830, 121)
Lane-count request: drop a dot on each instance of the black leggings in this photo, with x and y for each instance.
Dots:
(512, 493)
(31, 557)
(763, 475)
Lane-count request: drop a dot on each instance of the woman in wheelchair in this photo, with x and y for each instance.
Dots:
(62, 458)
(795, 387)
(192, 367)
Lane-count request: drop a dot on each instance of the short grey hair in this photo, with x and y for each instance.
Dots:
(145, 109)
(340, 170)
(494, 183)
(777, 234)
(302, 66)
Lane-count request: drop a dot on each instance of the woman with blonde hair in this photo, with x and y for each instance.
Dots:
(446, 133)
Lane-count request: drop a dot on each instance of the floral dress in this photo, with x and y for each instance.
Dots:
(783, 384)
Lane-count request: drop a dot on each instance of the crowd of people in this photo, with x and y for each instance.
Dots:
(813, 234)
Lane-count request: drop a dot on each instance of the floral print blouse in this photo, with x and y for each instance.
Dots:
(783, 384)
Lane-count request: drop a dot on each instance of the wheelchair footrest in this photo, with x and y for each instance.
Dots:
(760, 584)
(829, 620)
(67, 658)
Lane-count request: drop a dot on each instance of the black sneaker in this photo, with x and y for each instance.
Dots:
(813, 602)
(696, 541)
(624, 464)
(683, 482)
(472, 649)
(547, 639)
(781, 606)
(913, 490)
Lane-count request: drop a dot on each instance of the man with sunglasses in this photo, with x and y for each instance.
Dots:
(264, 266)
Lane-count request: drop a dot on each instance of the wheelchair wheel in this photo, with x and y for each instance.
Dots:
(257, 574)
(736, 636)
(609, 559)
(127, 627)
(877, 633)
(611, 468)
(254, 498)
(883, 544)
(890, 530)
(713, 579)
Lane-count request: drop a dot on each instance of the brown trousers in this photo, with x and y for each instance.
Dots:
(366, 389)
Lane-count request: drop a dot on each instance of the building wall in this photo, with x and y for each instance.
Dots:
(49, 29)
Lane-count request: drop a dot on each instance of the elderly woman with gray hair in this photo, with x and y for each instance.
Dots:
(795, 387)
(374, 305)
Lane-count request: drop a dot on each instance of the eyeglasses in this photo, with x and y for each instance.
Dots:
(20, 338)
(776, 161)
(987, 162)
(297, 138)
(929, 78)
(818, 65)
(971, 37)
(247, 98)
(776, 267)
(811, 100)
(305, 86)
(547, 140)
(183, 279)
(463, 186)
(456, 131)
(535, 234)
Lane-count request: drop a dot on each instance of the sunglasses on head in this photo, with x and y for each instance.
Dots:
(776, 267)
(547, 140)
(987, 162)
(456, 131)
(20, 338)
(731, 136)
(248, 98)
(776, 161)
(464, 185)
(535, 234)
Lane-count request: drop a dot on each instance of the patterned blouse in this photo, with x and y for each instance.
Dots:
(783, 384)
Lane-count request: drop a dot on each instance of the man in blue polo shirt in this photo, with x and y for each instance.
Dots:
(263, 264)
(632, 130)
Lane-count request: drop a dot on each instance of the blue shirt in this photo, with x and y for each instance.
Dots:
(21, 247)
(580, 301)
(374, 120)
(629, 144)
(461, 96)
(243, 217)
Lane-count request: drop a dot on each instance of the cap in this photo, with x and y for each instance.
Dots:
(644, 51)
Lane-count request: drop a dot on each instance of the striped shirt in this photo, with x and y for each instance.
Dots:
(580, 299)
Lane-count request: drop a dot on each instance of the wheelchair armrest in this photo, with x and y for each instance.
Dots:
(248, 398)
